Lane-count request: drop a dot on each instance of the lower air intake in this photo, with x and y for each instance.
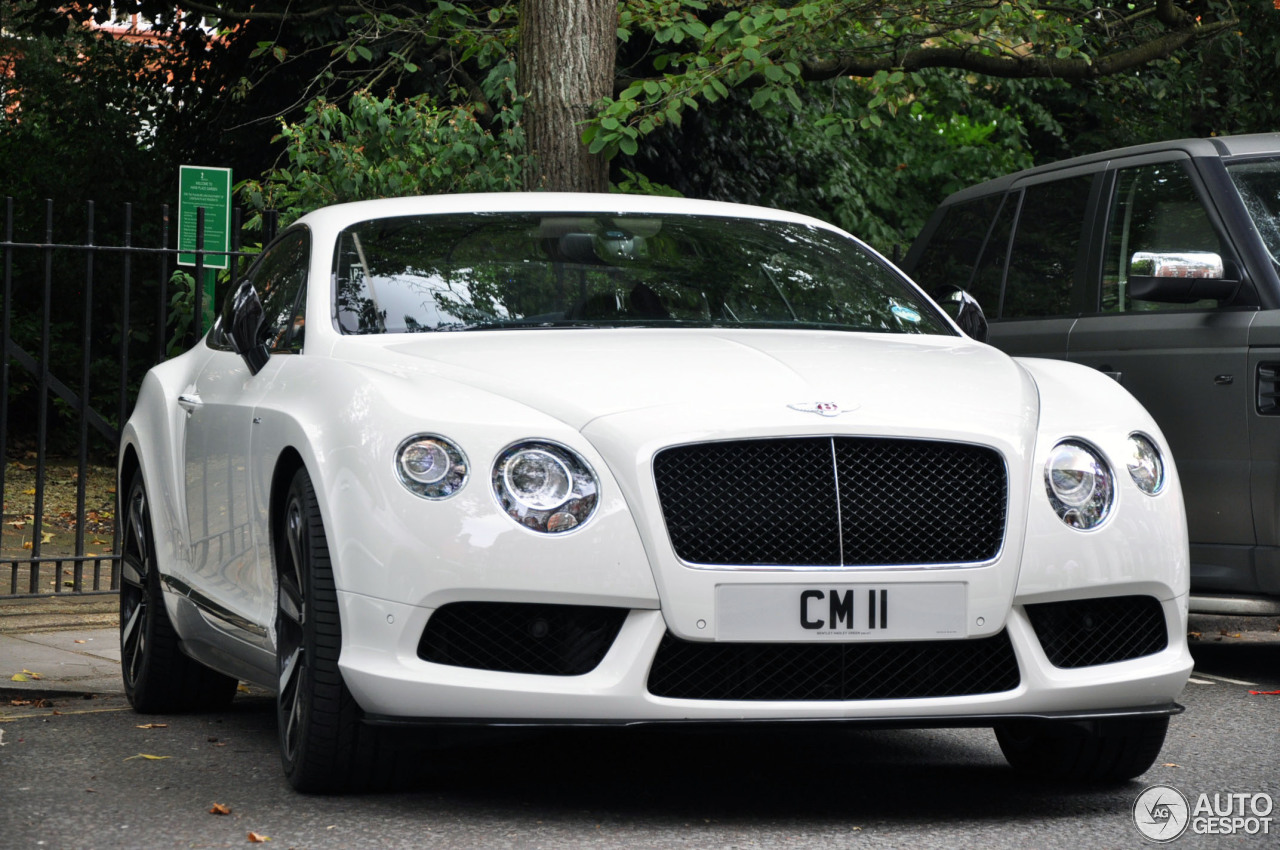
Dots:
(833, 671)
(1087, 632)
(550, 640)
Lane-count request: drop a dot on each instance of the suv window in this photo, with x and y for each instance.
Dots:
(1258, 183)
(1154, 208)
(1044, 262)
(954, 249)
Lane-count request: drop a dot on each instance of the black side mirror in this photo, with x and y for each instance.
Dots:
(246, 330)
(966, 312)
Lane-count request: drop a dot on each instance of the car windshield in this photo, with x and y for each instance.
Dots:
(1258, 182)
(482, 271)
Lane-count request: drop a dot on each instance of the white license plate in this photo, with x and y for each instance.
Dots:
(813, 612)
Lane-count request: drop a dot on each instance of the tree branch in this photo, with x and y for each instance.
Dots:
(217, 10)
(966, 59)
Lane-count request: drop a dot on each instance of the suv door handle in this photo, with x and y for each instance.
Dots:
(189, 402)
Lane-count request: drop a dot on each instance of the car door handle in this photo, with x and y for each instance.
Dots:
(189, 402)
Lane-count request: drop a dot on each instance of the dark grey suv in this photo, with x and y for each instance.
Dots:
(1157, 265)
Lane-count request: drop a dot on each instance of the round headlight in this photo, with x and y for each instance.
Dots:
(1146, 467)
(545, 487)
(1079, 485)
(537, 479)
(431, 466)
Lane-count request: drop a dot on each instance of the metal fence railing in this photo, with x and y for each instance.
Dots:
(82, 321)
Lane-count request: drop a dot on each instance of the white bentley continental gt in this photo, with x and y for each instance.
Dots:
(594, 459)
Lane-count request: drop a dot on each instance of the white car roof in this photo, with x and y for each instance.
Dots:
(342, 215)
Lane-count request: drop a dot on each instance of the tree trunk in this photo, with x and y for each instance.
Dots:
(565, 65)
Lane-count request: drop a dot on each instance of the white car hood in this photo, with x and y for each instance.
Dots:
(695, 381)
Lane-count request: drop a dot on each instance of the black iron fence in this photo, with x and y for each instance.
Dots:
(82, 322)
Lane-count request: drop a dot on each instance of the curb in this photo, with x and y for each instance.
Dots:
(59, 613)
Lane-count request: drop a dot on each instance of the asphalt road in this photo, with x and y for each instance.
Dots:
(90, 776)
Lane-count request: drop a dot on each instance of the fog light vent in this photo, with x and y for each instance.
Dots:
(1087, 632)
(512, 637)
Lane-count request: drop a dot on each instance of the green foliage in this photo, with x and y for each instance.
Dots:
(879, 183)
(378, 147)
(182, 311)
(686, 54)
(79, 120)
(1226, 88)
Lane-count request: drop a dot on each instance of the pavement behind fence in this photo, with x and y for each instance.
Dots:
(61, 644)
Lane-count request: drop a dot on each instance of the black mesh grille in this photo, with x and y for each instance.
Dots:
(833, 671)
(553, 640)
(727, 503)
(1085, 632)
(830, 502)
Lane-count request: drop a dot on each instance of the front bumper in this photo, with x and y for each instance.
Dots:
(381, 665)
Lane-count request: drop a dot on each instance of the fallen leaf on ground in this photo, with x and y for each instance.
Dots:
(255, 838)
(1171, 764)
(1194, 635)
(1226, 633)
(147, 757)
(80, 641)
(220, 809)
(46, 537)
(1265, 693)
(154, 726)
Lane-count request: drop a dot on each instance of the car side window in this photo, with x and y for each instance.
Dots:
(1045, 259)
(1154, 208)
(956, 244)
(280, 277)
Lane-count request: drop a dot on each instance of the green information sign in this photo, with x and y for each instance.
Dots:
(210, 188)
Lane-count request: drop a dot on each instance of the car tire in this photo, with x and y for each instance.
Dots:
(1111, 750)
(158, 677)
(324, 745)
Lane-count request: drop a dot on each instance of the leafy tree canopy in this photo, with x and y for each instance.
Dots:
(843, 108)
(675, 55)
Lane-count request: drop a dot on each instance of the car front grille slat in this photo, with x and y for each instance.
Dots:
(829, 502)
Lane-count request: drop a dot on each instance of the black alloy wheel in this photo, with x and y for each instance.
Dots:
(158, 677)
(324, 745)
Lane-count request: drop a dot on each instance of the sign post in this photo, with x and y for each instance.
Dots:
(208, 188)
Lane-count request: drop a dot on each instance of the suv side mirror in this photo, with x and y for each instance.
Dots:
(965, 311)
(1181, 277)
(245, 330)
